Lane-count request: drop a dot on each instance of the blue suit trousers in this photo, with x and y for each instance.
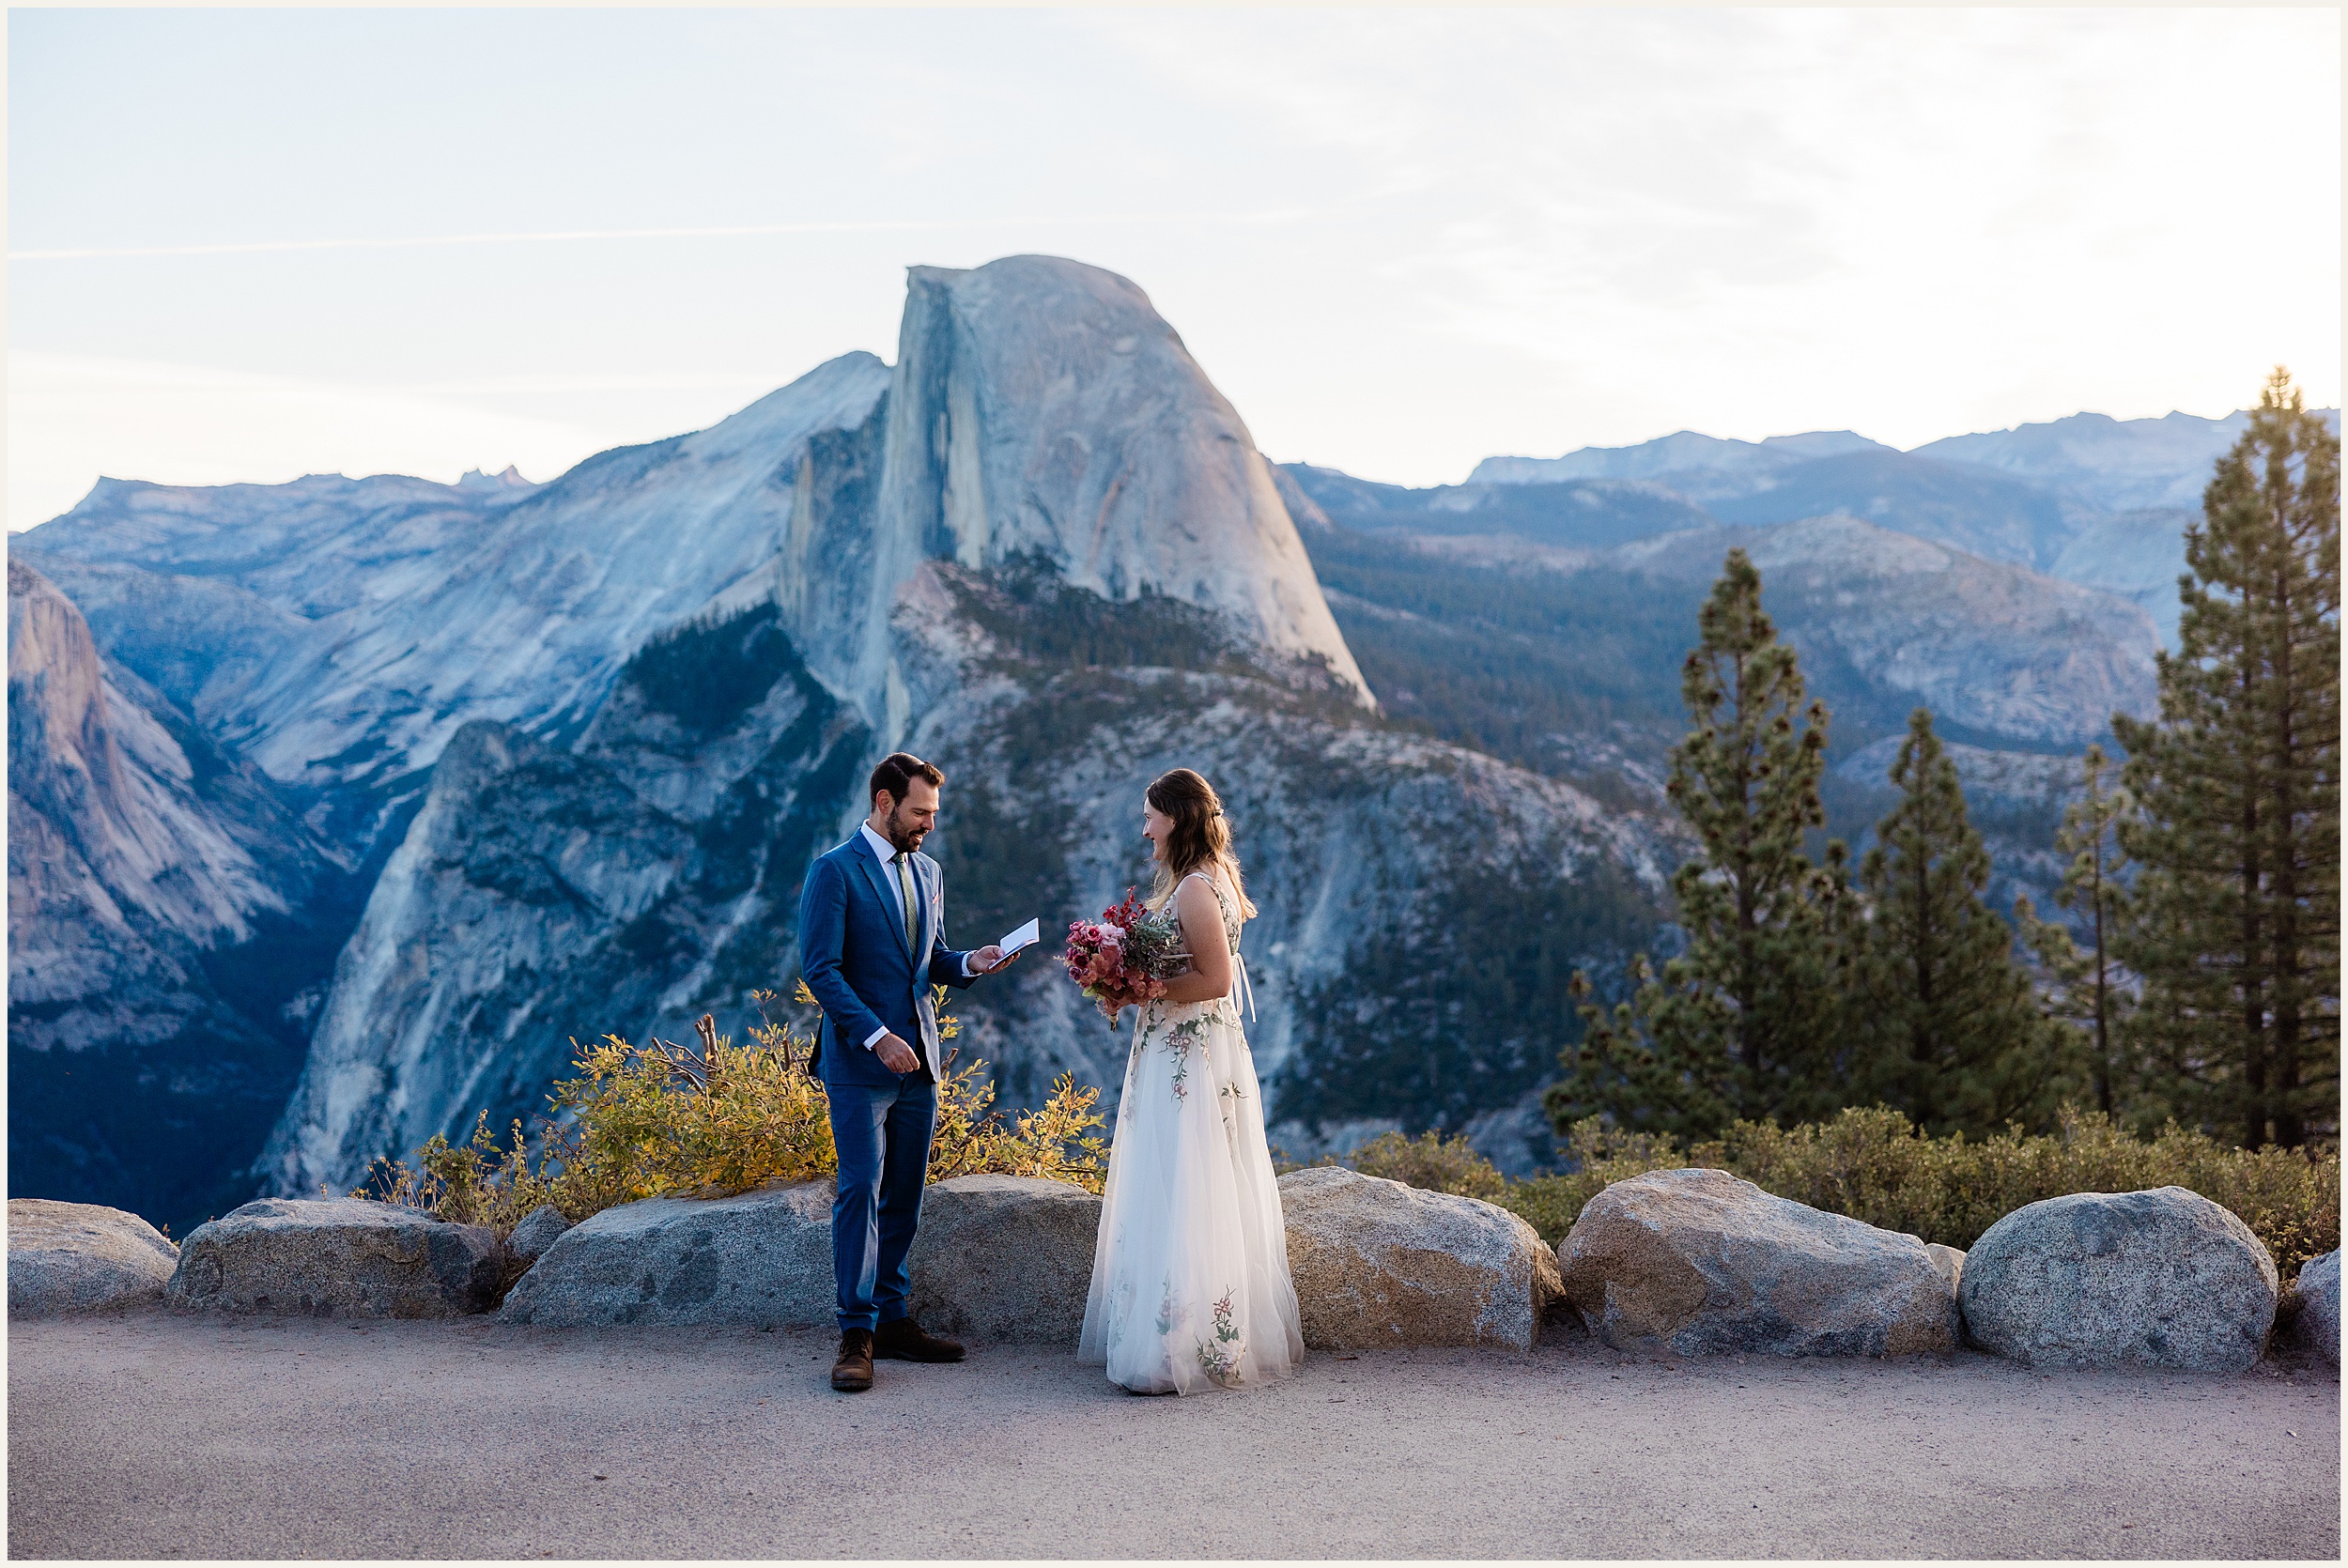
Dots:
(883, 1135)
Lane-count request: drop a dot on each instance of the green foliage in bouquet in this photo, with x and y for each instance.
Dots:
(659, 1120)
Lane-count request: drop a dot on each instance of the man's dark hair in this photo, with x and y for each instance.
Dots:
(899, 769)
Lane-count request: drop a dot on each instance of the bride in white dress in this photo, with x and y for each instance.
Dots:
(1190, 1275)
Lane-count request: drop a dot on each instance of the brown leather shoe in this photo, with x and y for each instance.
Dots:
(904, 1341)
(853, 1372)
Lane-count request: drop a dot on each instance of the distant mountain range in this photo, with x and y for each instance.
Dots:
(2091, 500)
(339, 809)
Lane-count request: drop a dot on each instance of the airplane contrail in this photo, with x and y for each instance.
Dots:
(875, 226)
(263, 245)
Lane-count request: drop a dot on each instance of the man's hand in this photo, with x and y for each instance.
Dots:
(990, 957)
(895, 1054)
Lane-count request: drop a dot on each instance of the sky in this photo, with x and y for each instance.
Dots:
(250, 245)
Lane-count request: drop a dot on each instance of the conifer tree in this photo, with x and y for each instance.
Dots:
(1952, 1034)
(2088, 991)
(2235, 925)
(1739, 1024)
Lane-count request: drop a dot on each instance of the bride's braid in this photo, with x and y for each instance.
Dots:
(1202, 839)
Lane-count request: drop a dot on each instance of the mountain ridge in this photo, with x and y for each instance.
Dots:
(2096, 502)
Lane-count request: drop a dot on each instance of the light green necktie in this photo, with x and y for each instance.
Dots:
(905, 898)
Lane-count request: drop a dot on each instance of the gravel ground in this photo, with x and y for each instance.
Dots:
(156, 1435)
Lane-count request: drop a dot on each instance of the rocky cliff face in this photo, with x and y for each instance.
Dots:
(1884, 623)
(545, 895)
(151, 880)
(121, 832)
(1050, 558)
(340, 631)
(2138, 555)
(1042, 415)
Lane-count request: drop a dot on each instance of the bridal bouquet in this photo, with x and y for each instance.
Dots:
(1123, 959)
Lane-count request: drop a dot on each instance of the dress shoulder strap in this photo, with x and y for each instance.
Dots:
(1230, 922)
(1213, 886)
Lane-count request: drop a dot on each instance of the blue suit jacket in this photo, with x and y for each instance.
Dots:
(854, 957)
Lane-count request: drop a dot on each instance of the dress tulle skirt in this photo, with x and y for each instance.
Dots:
(1190, 1275)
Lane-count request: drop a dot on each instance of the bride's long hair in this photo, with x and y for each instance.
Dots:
(1202, 839)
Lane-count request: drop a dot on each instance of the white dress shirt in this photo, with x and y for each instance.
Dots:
(887, 852)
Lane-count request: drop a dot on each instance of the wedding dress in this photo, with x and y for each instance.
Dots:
(1190, 1274)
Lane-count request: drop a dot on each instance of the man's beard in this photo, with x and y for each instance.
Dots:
(907, 838)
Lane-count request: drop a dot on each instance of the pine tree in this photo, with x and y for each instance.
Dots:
(1954, 1036)
(2235, 925)
(2088, 990)
(1739, 1024)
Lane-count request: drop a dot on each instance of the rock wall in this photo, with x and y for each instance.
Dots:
(1043, 408)
(154, 884)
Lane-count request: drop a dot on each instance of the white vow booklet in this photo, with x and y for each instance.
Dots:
(1026, 937)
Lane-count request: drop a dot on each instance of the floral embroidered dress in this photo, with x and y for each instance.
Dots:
(1190, 1275)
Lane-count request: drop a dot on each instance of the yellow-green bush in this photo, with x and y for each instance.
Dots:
(659, 1120)
(1430, 1161)
(1059, 1141)
(1874, 1165)
(1603, 1156)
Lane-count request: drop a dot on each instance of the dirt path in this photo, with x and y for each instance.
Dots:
(163, 1435)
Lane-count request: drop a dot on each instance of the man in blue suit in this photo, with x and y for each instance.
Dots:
(871, 943)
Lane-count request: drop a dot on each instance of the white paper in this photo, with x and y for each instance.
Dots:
(1026, 937)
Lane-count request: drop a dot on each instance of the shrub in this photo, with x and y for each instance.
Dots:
(1602, 1156)
(1058, 1142)
(478, 1183)
(1430, 1160)
(1873, 1164)
(659, 1120)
